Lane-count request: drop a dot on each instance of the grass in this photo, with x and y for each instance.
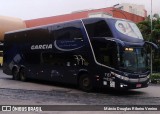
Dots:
(155, 78)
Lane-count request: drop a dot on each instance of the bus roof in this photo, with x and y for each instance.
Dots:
(94, 18)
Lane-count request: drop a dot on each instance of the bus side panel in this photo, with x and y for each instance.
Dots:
(45, 59)
(14, 50)
(11, 54)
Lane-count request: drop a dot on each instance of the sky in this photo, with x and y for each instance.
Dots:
(32, 9)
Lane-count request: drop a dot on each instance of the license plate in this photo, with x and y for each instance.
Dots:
(139, 85)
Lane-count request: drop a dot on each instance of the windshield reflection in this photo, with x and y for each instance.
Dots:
(134, 60)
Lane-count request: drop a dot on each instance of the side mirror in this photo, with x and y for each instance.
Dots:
(153, 45)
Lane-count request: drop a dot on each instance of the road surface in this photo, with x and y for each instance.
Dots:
(14, 92)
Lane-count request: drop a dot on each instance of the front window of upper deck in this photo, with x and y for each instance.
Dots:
(128, 28)
(134, 60)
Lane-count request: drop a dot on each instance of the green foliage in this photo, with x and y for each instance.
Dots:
(155, 78)
(153, 36)
(145, 28)
(156, 16)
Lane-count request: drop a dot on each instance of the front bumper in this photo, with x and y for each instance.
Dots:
(121, 82)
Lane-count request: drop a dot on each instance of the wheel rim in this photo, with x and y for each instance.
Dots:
(86, 82)
(15, 74)
(22, 75)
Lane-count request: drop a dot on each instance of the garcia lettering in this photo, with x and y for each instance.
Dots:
(44, 46)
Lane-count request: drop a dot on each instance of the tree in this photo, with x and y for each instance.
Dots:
(156, 31)
(145, 28)
(156, 16)
(153, 36)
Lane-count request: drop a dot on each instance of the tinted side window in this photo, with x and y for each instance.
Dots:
(32, 57)
(98, 29)
(63, 59)
(67, 31)
(57, 59)
(104, 53)
(40, 35)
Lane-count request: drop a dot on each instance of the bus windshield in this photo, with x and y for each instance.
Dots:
(134, 60)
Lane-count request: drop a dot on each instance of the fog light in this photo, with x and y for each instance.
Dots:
(104, 82)
(121, 85)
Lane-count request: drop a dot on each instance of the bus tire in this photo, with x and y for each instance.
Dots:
(85, 83)
(15, 74)
(22, 75)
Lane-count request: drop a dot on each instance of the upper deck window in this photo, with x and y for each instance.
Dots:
(67, 36)
(98, 29)
(68, 33)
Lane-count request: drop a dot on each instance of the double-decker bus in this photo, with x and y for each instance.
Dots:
(93, 52)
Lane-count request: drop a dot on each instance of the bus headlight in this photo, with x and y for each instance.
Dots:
(120, 76)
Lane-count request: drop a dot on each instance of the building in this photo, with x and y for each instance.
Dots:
(103, 12)
(132, 8)
(135, 13)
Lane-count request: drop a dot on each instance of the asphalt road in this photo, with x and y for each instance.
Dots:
(14, 92)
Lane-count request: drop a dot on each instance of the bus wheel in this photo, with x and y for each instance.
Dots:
(85, 83)
(15, 74)
(22, 75)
